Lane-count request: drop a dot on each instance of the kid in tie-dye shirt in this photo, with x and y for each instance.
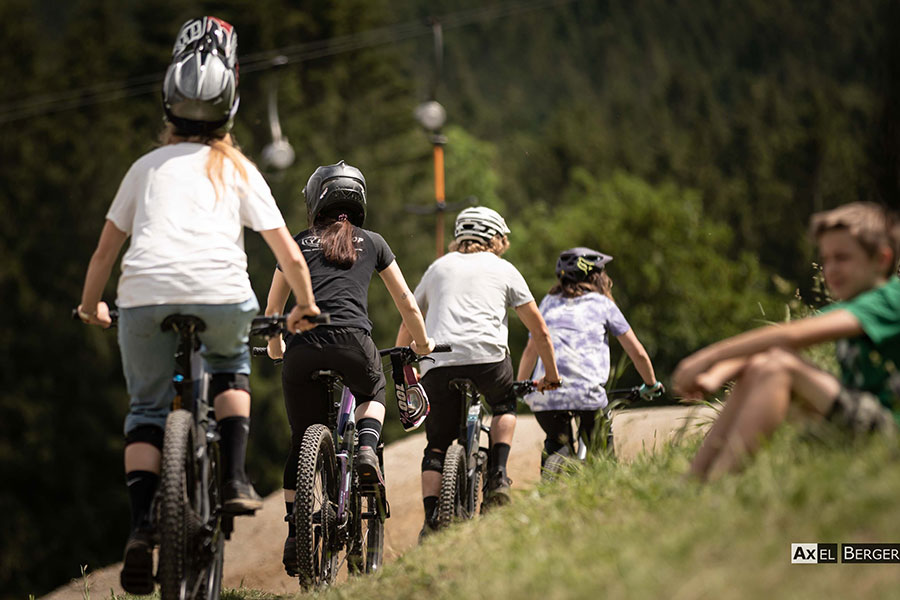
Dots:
(581, 315)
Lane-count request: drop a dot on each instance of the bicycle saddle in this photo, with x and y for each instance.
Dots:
(183, 323)
(325, 374)
(462, 383)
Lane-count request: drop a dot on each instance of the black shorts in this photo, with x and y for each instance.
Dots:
(348, 350)
(557, 427)
(494, 380)
(861, 412)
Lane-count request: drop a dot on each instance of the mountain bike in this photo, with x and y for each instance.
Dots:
(585, 423)
(186, 514)
(464, 475)
(337, 518)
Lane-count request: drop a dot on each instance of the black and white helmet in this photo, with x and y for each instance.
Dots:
(479, 224)
(576, 264)
(200, 88)
(337, 188)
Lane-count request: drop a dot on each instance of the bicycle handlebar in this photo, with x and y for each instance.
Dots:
(405, 349)
(524, 387)
(632, 393)
(272, 325)
(407, 356)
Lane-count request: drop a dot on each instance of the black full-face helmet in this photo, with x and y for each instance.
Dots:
(200, 87)
(336, 189)
(576, 264)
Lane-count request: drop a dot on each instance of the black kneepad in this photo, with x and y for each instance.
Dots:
(433, 461)
(222, 382)
(506, 407)
(148, 434)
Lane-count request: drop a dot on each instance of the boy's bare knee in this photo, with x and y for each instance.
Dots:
(773, 361)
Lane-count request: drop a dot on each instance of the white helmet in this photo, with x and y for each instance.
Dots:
(479, 224)
(200, 87)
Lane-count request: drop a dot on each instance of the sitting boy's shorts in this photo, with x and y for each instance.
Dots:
(861, 412)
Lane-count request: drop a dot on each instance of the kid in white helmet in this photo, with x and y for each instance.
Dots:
(465, 295)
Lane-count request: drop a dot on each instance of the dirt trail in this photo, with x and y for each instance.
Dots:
(253, 556)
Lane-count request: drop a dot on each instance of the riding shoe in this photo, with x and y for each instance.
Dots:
(367, 468)
(137, 565)
(498, 490)
(240, 498)
(428, 528)
(289, 557)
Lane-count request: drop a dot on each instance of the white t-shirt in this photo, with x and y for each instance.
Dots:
(465, 298)
(187, 247)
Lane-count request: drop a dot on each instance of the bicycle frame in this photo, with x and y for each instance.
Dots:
(469, 437)
(192, 394)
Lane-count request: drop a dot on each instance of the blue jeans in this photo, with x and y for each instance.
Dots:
(148, 353)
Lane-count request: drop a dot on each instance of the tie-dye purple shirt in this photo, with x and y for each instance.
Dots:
(580, 328)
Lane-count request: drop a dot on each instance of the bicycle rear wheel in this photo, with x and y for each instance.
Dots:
(452, 501)
(191, 549)
(314, 508)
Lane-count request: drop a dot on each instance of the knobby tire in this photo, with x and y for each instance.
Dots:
(189, 566)
(452, 501)
(314, 508)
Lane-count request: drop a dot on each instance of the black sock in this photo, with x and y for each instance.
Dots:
(141, 487)
(430, 503)
(499, 457)
(235, 431)
(292, 528)
(369, 431)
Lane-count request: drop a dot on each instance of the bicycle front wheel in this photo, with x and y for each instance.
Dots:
(190, 551)
(314, 508)
(454, 495)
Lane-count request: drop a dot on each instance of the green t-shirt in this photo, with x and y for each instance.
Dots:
(870, 362)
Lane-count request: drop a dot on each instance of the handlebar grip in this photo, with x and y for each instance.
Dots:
(259, 351)
(442, 348)
(321, 318)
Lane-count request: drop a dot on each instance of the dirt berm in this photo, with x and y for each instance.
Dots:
(253, 555)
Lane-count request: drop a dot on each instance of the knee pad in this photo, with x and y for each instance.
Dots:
(222, 382)
(148, 434)
(504, 407)
(433, 460)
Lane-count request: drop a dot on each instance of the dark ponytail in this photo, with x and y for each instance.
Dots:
(336, 237)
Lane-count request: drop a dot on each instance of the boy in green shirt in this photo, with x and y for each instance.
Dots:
(858, 244)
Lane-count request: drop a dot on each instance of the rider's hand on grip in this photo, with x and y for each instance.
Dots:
(544, 384)
(422, 350)
(295, 321)
(651, 392)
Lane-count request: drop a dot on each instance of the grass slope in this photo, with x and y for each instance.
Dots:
(642, 531)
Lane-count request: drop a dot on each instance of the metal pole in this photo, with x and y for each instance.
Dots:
(439, 198)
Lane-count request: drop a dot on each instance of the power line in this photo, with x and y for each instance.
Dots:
(51, 103)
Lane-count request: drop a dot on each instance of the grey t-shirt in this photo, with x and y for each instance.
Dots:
(465, 298)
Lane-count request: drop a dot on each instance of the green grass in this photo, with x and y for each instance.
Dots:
(643, 531)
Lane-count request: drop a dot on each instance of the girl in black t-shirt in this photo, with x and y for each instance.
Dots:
(341, 256)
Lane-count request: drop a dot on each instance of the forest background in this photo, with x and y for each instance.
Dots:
(689, 141)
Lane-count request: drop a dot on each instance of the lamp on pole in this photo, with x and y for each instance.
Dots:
(432, 116)
(279, 154)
